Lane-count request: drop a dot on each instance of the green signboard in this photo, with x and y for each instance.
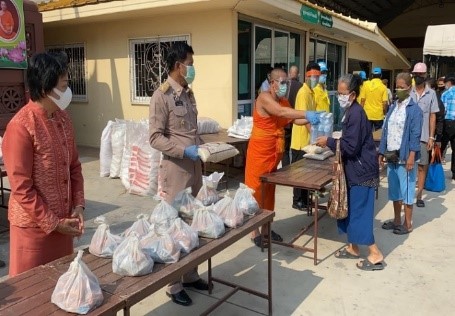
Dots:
(313, 16)
(326, 20)
(309, 15)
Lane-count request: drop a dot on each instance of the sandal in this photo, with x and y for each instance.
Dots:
(275, 237)
(389, 225)
(345, 254)
(402, 230)
(367, 265)
(257, 241)
(420, 203)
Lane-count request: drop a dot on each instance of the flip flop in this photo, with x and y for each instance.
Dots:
(401, 230)
(420, 203)
(367, 265)
(345, 254)
(276, 237)
(389, 225)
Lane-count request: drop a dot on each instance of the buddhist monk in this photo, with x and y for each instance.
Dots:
(266, 146)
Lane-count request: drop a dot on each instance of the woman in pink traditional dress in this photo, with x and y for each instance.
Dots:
(47, 190)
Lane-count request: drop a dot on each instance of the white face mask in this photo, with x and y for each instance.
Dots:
(343, 100)
(65, 98)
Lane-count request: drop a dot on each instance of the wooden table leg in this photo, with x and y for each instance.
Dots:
(315, 236)
(269, 264)
(209, 272)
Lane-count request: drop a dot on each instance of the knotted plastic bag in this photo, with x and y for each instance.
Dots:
(130, 260)
(103, 241)
(185, 236)
(141, 227)
(186, 204)
(225, 208)
(77, 290)
(162, 217)
(161, 248)
(207, 223)
(245, 201)
(208, 194)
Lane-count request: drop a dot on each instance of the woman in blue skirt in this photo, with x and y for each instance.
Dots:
(361, 167)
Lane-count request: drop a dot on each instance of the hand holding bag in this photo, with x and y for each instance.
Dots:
(338, 200)
(435, 180)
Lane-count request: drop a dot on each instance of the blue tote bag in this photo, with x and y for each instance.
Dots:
(435, 180)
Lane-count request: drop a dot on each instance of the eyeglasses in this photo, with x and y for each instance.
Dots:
(280, 81)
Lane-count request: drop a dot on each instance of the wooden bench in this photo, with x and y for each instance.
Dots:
(30, 292)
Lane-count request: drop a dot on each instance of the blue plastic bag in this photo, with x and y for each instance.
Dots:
(435, 180)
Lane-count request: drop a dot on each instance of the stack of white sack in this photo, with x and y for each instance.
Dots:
(242, 128)
(125, 153)
(207, 125)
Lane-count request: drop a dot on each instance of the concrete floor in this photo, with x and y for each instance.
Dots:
(418, 279)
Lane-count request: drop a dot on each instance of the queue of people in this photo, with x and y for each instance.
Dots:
(46, 207)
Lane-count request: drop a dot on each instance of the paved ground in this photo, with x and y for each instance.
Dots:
(418, 279)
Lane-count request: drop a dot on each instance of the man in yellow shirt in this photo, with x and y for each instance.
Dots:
(301, 133)
(373, 98)
(321, 96)
(365, 82)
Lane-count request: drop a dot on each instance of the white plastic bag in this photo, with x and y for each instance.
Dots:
(207, 223)
(186, 204)
(162, 217)
(103, 241)
(185, 236)
(225, 208)
(77, 290)
(208, 194)
(141, 227)
(207, 125)
(245, 201)
(130, 260)
(106, 150)
(161, 248)
(117, 142)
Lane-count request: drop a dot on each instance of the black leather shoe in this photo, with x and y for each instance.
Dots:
(200, 285)
(180, 298)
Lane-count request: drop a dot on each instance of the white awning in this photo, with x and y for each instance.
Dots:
(440, 40)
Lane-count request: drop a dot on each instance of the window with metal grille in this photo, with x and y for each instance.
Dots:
(148, 65)
(77, 70)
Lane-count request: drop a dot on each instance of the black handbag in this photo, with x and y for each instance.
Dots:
(392, 156)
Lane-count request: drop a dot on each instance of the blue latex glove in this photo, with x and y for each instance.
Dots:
(313, 116)
(191, 152)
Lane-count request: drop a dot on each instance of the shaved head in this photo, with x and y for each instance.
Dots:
(277, 73)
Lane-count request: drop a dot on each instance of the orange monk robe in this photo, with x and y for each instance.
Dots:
(7, 22)
(265, 150)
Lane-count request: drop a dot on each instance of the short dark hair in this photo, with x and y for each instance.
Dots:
(450, 77)
(177, 52)
(431, 82)
(313, 66)
(353, 82)
(43, 73)
(374, 76)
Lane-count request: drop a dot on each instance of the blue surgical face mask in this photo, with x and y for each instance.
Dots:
(282, 89)
(322, 79)
(190, 74)
(313, 81)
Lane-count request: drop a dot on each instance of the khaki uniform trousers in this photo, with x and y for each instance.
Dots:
(177, 175)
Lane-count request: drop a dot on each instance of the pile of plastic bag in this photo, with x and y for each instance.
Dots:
(242, 128)
(186, 204)
(103, 242)
(231, 216)
(207, 223)
(208, 194)
(245, 201)
(130, 259)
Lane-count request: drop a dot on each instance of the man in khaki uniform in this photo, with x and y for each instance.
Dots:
(173, 131)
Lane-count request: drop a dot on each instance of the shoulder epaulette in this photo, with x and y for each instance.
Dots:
(165, 86)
